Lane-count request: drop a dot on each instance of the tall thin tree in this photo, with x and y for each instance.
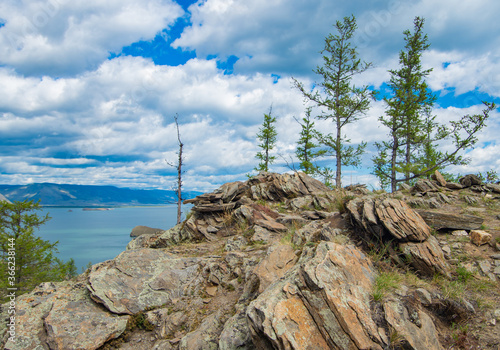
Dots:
(411, 150)
(267, 137)
(341, 101)
(178, 168)
(307, 147)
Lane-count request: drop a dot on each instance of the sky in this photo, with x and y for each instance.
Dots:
(89, 89)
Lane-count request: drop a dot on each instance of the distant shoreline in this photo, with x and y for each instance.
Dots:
(107, 207)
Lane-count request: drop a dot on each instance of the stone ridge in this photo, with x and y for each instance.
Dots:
(275, 262)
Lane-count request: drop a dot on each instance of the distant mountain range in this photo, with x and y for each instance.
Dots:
(51, 194)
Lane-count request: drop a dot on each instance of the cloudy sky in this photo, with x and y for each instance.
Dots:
(89, 88)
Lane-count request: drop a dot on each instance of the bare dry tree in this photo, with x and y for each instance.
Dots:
(178, 167)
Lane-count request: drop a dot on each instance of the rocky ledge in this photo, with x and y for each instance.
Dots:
(282, 262)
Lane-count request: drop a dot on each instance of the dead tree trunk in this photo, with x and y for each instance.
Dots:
(178, 167)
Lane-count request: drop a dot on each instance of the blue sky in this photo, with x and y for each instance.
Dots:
(88, 89)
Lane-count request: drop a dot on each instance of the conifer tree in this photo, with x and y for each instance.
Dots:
(339, 99)
(306, 146)
(410, 98)
(414, 134)
(267, 137)
(27, 260)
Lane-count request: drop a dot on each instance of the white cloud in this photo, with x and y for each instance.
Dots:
(67, 113)
(122, 127)
(65, 37)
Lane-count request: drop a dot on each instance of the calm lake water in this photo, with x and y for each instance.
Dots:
(96, 236)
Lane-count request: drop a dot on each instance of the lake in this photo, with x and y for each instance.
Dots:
(96, 236)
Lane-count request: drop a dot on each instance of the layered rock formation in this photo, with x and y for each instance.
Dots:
(276, 262)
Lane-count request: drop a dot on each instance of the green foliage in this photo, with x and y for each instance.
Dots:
(139, 321)
(490, 176)
(35, 259)
(414, 135)
(340, 100)
(267, 137)
(384, 283)
(306, 146)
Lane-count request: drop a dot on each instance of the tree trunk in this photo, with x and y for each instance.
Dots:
(179, 184)
(338, 155)
(179, 174)
(395, 146)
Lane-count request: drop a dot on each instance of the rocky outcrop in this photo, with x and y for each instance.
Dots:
(324, 303)
(61, 316)
(142, 278)
(269, 263)
(393, 223)
(144, 230)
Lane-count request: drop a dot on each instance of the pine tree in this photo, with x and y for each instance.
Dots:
(414, 134)
(306, 146)
(410, 98)
(27, 260)
(267, 137)
(341, 101)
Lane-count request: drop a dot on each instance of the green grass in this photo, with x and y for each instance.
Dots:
(385, 283)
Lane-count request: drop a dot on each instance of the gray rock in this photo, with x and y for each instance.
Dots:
(405, 187)
(235, 243)
(470, 200)
(291, 220)
(454, 186)
(144, 230)
(206, 336)
(493, 187)
(424, 295)
(324, 230)
(452, 221)
(470, 180)
(141, 278)
(291, 314)
(426, 257)
(63, 315)
(401, 221)
(424, 186)
(262, 234)
(236, 334)
(278, 260)
(415, 327)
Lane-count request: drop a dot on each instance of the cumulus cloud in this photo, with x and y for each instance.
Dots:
(67, 37)
(123, 120)
(70, 113)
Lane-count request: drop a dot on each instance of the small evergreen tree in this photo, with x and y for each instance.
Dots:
(267, 137)
(343, 103)
(306, 146)
(27, 260)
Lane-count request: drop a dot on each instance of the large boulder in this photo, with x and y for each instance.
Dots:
(63, 316)
(142, 278)
(324, 302)
(388, 216)
(278, 187)
(426, 257)
(401, 221)
(321, 304)
(470, 180)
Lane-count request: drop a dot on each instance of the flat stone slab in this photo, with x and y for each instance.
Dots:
(440, 220)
